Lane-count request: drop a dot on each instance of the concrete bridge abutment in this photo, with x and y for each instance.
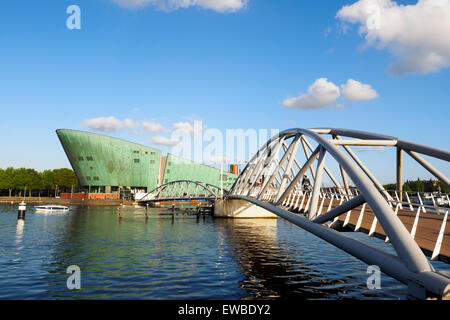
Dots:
(237, 208)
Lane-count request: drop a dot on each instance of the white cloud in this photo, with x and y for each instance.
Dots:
(217, 5)
(148, 126)
(321, 94)
(183, 127)
(416, 35)
(355, 91)
(164, 141)
(188, 128)
(128, 123)
(109, 124)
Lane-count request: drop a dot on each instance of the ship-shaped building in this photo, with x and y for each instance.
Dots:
(110, 165)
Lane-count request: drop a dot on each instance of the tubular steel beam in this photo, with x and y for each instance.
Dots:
(367, 172)
(317, 184)
(411, 266)
(343, 208)
(389, 264)
(295, 143)
(299, 175)
(280, 164)
(406, 248)
(386, 143)
(399, 173)
(325, 168)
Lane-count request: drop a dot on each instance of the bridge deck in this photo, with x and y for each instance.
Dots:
(428, 226)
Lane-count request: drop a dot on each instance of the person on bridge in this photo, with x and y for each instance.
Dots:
(306, 184)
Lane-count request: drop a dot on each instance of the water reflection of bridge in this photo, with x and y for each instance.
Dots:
(275, 267)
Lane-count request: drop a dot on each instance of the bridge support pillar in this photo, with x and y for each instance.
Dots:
(237, 208)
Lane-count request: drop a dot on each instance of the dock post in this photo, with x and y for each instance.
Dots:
(22, 209)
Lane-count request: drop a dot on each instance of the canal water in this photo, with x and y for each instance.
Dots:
(180, 257)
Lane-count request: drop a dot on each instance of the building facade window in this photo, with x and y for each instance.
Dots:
(136, 160)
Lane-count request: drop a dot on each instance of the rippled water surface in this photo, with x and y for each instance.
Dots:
(180, 257)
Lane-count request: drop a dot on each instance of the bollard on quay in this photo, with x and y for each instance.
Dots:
(22, 209)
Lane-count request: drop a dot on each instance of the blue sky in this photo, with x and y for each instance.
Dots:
(231, 69)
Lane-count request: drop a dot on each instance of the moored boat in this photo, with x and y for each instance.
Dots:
(51, 208)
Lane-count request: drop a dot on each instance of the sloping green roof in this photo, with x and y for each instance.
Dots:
(99, 160)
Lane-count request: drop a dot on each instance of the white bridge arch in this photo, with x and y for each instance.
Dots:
(272, 180)
(183, 189)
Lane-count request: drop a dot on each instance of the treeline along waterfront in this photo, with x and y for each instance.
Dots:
(30, 183)
(420, 186)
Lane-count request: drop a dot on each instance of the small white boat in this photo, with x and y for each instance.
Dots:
(51, 208)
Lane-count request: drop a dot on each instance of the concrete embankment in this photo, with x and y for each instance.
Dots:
(79, 202)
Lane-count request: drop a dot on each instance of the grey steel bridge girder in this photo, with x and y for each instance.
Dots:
(410, 266)
(406, 248)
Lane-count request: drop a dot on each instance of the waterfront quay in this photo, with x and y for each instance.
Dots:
(62, 201)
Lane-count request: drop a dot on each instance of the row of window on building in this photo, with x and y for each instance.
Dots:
(144, 152)
(88, 158)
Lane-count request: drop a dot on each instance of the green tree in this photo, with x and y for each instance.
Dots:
(21, 179)
(417, 186)
(444, 188)
(47, 180)
(390, 186)
(4, 183)
(406, 187)
(65, 178)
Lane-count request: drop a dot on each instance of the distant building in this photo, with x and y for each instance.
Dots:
(111, 165)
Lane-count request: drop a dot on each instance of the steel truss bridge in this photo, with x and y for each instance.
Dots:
(414, 224)
(183, 192)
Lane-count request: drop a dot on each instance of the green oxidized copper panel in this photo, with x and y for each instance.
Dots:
(182, 169)
(100, 160)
